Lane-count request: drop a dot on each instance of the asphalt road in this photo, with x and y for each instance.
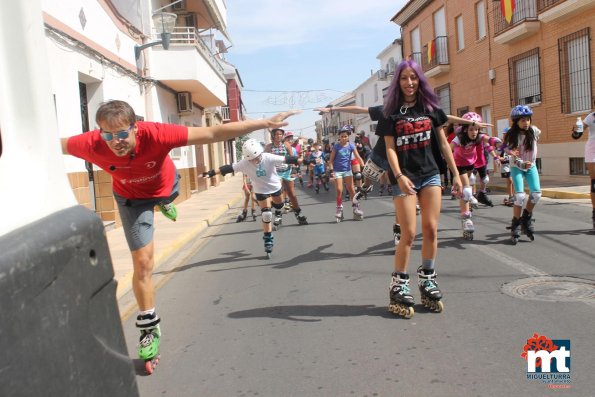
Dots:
(313, 320)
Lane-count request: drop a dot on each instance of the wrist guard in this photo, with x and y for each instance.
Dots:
(226, 169)
(209, 174)
(291, 160)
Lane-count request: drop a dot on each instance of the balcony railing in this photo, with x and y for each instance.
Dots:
(431, 58)
(524, 11)
(185, 36)
(543, 5)
(416, 56)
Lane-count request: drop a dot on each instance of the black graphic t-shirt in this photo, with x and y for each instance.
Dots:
(416, 140)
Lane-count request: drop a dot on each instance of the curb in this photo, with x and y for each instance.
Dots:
(124, 284)
(551, 193)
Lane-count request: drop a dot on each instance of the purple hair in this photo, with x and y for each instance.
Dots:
(425, 94)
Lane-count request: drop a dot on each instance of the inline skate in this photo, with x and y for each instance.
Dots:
(150, 337)
(508, 201)
(286, 206)
(430, 293)
(242, 216)
(254, 215)
(515, 230)
(339, 214)
(268, 244)
(397, 233)
(301, 218)
(467, 224)
(381, 189)
(169, 210)
(473, 203)
(358, 214)
(401, 301)
(483, 198)
(527, 224)
(277, 220)
(362, 192)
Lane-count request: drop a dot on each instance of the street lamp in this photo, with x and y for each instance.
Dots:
(164, 23)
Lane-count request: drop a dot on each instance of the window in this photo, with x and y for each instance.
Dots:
(577, 166)
(443, 93)
(480, 15)
(575, 71)
(523, 70)
(462, 111)
(460, 33)
(416, 45)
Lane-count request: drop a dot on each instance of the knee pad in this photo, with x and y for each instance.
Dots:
(372, 171)
(519, 198)
(535, 197)
(486, 180)
(467, 193)
(357, 176)
(592, 185)
(278, 206)
(267, 215)
(472, 178)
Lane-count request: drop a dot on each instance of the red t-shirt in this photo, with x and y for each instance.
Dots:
(146, 173)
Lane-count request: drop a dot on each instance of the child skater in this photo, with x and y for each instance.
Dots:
(520, 143)
(248, 196)
(464, 147)
(589, 122)
(260, 167)
(340, 161)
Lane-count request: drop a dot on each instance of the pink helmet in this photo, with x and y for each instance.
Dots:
(472, 116)
(288, 134)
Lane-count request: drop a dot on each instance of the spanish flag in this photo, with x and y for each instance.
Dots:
(431, 50)
(507, 8)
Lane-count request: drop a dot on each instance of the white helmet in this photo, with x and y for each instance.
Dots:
(252, 149)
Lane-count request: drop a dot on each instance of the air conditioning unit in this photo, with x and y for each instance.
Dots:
(381, 74)
(184, 102)
(179, 6)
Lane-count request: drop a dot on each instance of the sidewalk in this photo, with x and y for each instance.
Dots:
(195, 215)
(202, 209)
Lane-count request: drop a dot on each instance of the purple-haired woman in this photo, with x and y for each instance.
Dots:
(414, 139)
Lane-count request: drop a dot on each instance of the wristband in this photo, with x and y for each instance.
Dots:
(209, 174)
(398, 176)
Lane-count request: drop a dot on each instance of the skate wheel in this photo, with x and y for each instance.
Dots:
(151, 364)
(514, 240)
(269, 254)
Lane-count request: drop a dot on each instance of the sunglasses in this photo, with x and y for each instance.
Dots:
(108, 136)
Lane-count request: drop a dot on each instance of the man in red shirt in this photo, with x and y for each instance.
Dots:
(135, 154)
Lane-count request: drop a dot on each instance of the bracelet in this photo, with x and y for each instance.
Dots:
(398, 176)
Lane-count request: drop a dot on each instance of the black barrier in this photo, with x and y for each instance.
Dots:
(60, 329)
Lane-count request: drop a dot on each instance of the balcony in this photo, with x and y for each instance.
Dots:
(559, 10)
(435, 62)
(189, 65)
(524, 22)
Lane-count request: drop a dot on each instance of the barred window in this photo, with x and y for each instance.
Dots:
(575, 71)
(443, 93)
(523, 71)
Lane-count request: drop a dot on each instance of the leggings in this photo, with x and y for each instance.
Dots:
(531, 175)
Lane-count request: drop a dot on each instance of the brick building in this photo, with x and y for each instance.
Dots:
(478, 61)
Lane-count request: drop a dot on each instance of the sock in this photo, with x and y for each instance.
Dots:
(427, 264)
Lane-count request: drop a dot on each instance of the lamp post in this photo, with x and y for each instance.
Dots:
(164, 23)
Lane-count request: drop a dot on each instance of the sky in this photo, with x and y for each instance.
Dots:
(303, 54)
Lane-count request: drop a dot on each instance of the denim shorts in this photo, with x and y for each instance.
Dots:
(419, 183)
(343, 174)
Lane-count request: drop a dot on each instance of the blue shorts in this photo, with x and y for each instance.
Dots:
(419, 183)
(285, 175)
(343, 174)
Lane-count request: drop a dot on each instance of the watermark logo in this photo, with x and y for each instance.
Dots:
(548, 360)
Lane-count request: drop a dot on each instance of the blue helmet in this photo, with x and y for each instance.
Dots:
(346, 128)
(520, 111)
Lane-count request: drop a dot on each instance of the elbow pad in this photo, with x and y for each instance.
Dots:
(226, 169)
(494, 140)
(291, 160)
